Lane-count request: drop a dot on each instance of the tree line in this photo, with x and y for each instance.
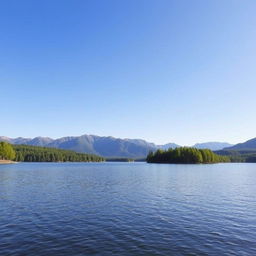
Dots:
(25, 153)
(239, 156)
(185, 155)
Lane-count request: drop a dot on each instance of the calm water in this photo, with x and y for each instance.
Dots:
(127, 209)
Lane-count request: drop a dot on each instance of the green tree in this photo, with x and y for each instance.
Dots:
(6, 151)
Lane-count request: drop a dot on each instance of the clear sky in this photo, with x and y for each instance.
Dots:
(162, 70)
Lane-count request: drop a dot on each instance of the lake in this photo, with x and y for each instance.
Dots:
(127, 209)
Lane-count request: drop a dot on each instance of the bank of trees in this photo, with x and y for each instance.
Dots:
(6, 151)
(25, 153)
(185, 155)
(239, 156)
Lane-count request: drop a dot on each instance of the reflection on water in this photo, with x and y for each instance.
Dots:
(127, 209)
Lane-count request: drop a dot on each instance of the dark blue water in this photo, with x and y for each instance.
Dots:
(127, 209)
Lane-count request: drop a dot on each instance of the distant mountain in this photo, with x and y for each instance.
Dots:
(104, 146)
(39, 141)
(15, 141)
(168, 145)
(212, 145)
(248, 145)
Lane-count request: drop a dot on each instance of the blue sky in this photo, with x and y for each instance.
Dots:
(162, 70)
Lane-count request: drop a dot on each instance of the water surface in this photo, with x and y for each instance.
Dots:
(127, 209)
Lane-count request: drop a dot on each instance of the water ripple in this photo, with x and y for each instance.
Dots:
(127, 209)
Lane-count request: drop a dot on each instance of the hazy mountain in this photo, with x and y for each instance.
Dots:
(3, 138)
(38, 141)
(248, 145)
(18, 140)
(168, 145)
(212, 145)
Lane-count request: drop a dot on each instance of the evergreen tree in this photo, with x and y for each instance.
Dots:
(42, 154)
(6, 151)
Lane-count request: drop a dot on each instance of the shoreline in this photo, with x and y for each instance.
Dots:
(7, 162)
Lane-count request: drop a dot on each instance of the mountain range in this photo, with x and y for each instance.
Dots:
(105, 146)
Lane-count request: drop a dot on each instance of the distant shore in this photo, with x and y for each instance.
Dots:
(7, 162)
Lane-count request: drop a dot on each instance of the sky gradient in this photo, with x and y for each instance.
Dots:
(165, 71)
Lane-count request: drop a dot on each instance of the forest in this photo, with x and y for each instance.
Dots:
(25, 153)
(185, 155)
(239, 156)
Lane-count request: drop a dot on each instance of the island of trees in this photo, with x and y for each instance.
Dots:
(185, 155)
(25, 153)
